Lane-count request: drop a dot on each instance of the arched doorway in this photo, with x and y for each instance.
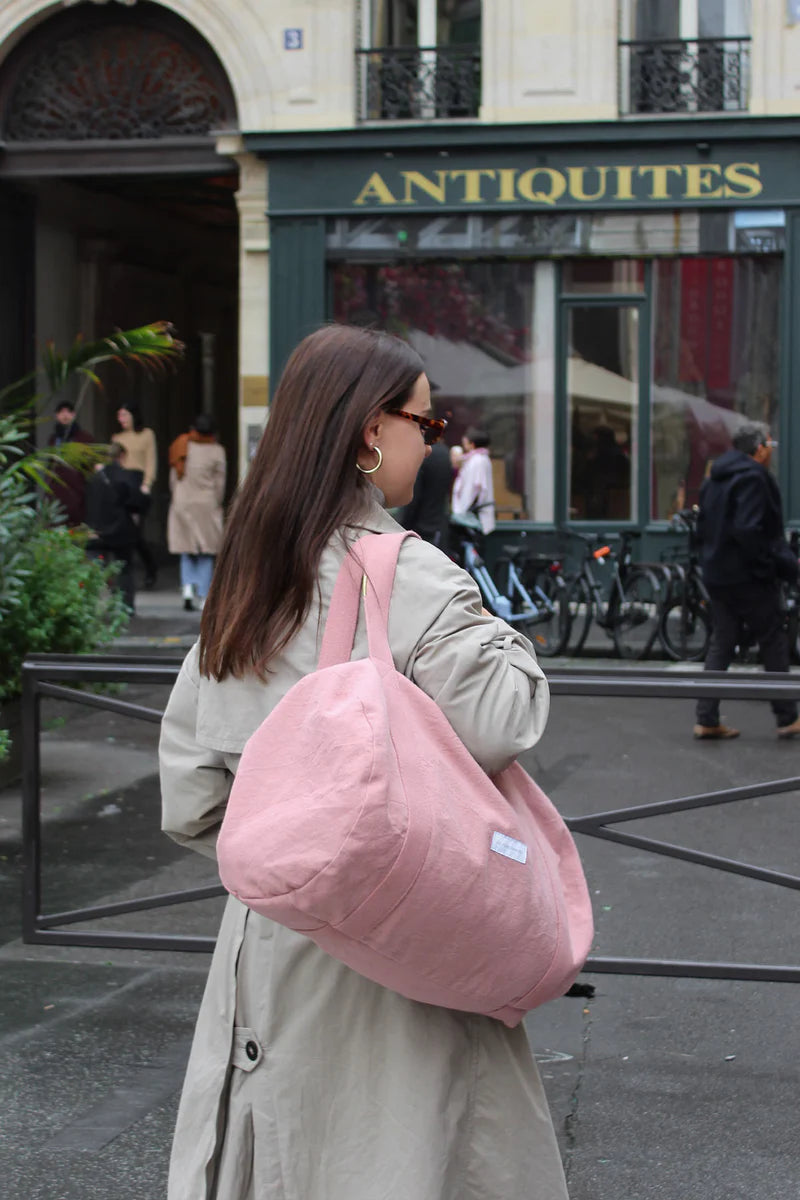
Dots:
(115, 209)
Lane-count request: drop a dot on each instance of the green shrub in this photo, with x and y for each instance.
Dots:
(53, 600)
(65, 606)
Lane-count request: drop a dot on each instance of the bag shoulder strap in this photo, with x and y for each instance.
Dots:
(368, 569)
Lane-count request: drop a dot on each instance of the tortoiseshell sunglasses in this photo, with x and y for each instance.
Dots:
(432, 427)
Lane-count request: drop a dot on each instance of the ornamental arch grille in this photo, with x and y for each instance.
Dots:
(135, 76)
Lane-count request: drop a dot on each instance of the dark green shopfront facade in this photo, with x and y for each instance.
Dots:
(610, 301)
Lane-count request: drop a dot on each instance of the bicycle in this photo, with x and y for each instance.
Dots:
(537, 610)
(686, 620)
(631, 613)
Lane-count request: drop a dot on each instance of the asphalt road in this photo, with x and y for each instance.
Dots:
(673, 1089)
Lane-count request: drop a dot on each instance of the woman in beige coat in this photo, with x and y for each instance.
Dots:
(139, 443)
(308, 1081)
(194, 524)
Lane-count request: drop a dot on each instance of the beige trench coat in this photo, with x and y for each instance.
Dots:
(194, 524)
(307, 1081)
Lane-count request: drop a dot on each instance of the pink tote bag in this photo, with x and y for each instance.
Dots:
(358, 818)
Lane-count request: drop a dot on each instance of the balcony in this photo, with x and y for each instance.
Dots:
(417, 83)
(699, 76)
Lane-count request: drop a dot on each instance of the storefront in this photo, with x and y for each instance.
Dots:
(608, 306)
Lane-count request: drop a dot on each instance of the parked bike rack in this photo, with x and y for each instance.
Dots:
(48, 675)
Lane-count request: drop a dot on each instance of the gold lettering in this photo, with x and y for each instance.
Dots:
(506, 195)
(418, 180)
(743, 180)
(576, 178)
(624, 183)
(472, 183)
(700, 180)
(660, 179)
(558, 185)
(375, 189)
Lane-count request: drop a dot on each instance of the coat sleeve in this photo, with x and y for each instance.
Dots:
(482, 673)
(748, 527)
(150, 459)
(195, 781)
(220, 472)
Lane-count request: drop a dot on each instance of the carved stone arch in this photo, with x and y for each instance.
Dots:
(134, 75)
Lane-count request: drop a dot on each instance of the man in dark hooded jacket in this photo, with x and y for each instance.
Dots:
(745, 555)
(67, 484)
(113, 496)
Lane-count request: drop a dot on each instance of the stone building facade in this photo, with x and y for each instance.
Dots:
(585, 215)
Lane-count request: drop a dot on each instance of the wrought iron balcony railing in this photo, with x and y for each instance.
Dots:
(414, 83)
(676, 76)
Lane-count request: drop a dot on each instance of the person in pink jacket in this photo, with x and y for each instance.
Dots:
(473, 490)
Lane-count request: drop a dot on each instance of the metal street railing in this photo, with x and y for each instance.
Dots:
(49, 676)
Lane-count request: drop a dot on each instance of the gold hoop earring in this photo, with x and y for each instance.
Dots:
(371, 470)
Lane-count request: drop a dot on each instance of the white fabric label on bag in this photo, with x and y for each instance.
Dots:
(510, 847)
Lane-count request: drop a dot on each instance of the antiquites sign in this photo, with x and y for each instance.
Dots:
(729, 174)
(553, 187)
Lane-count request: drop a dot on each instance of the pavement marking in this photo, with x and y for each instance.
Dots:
(144, 1089)
(74, 1010)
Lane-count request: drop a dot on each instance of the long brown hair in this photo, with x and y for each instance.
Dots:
(301, 486)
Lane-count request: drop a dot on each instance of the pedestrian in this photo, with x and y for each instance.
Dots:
(744, 555)
(473, 490)
(67, 484)
(140, 444)
(194, 525)
(113, 500)
(306, 1078)
(427, 514)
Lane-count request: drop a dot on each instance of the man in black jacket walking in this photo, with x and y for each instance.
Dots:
(744, 555)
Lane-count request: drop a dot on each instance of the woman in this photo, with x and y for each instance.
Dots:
(306, 1079)
(473, 489)
(139, 443)
(194, 524)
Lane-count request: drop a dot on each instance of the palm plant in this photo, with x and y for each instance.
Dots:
(52, 598)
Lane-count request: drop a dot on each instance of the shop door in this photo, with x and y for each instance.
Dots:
(601, 360)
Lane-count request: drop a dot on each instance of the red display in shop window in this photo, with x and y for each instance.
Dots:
(437, 299)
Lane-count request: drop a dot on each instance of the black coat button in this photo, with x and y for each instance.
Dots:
(251, 1050)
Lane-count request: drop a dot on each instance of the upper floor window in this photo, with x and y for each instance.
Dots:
(684, 56)
(419, 59)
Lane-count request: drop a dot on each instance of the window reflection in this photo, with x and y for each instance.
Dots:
(472, 324)
(715, 365)
(602, 397)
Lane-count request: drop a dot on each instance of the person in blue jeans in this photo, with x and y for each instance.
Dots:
(194, 524)
(745, 556)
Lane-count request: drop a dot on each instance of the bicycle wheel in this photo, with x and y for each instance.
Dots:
(635, 624)
(580, 605)
(548, 632)
(686, 629)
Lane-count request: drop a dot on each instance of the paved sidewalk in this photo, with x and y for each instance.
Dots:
(674, 1089)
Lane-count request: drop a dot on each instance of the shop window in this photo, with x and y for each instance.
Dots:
(684, 56)
(473, 233)
(602, 385)
(419, 59)
(715, 365)
(473, 324)
(602, 276)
